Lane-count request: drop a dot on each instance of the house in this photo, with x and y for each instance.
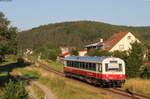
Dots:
(121, 41)
(82, 52)
(65, 51)
(28, 51)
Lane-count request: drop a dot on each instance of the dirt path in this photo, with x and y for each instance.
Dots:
(46, 90)
(32, 93)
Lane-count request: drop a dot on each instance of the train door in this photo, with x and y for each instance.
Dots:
(99, 70)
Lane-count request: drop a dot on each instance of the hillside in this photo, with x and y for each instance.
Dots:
(76, 33)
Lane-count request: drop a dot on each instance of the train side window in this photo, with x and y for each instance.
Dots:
(81, 63)
(74, 64)
(89, 66)
(77, 65)
(67, 63)
(94, 67)
(86, 66)
(81, 66)
(71, 64)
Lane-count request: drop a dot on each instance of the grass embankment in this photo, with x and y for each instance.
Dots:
(138, 85)
(4, 76)
(56, 65)
(39, 92)
(65, 89)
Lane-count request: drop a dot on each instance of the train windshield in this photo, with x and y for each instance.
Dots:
(113, 67)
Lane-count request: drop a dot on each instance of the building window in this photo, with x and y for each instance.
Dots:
(121, 46)
(129, 37)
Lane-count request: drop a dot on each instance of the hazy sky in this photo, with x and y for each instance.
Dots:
(26, 14)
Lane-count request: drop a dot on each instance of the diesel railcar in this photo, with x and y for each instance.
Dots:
(101, 71)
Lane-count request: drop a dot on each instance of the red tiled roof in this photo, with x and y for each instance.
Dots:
(147, 63)
(71, 47)
(112, 41)
(64, 54)
(82, 51)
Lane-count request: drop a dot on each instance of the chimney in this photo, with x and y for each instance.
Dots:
(101, 40)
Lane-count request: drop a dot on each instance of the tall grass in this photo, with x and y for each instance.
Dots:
(65, 89)
(38, 91)
(138, 85)
(56, 65)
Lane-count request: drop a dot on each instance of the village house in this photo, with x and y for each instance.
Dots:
(82, 52)
(65, 51)
(121, 41)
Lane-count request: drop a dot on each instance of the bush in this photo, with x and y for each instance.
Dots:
(74, 52)
(98, 52)
(145, 72)
(15, 91)
(47, 53)
(20, 60)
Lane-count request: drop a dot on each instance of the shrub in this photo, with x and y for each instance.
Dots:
(74, 52)
(98, 52)
(145, 72)
(47, 53)
(15, 91)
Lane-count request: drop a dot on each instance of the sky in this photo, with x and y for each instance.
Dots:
(26, 14)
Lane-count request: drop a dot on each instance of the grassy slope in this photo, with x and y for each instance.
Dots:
(138, 85)
(76, 33)
(62, 88)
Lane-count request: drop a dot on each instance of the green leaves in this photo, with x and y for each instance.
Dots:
(135, 60)
(98, 52)
(15, 91)
(8, 37)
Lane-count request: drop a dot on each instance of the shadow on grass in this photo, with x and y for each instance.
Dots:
(10, 67)
(5, 73)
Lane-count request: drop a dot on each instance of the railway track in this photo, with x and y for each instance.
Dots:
(121, 94)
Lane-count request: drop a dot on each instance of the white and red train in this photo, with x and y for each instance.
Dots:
(97, 70)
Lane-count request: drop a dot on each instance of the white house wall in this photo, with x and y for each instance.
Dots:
(125, 43)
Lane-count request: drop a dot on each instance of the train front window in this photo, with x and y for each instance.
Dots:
(113, 67)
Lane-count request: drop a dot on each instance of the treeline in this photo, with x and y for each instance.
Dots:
(77, 33)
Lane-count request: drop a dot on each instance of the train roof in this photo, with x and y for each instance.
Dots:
(86, 58)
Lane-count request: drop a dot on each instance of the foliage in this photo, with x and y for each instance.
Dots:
(120, 54)
(56, 65)
(145, 72)
(98, 52)
(74, 52)
(147, 50)
(135, 60)
(47, 53)
(8, 37)
(77, 33)
(15, 91)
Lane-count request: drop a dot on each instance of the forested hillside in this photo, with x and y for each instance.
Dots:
(76, 33)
